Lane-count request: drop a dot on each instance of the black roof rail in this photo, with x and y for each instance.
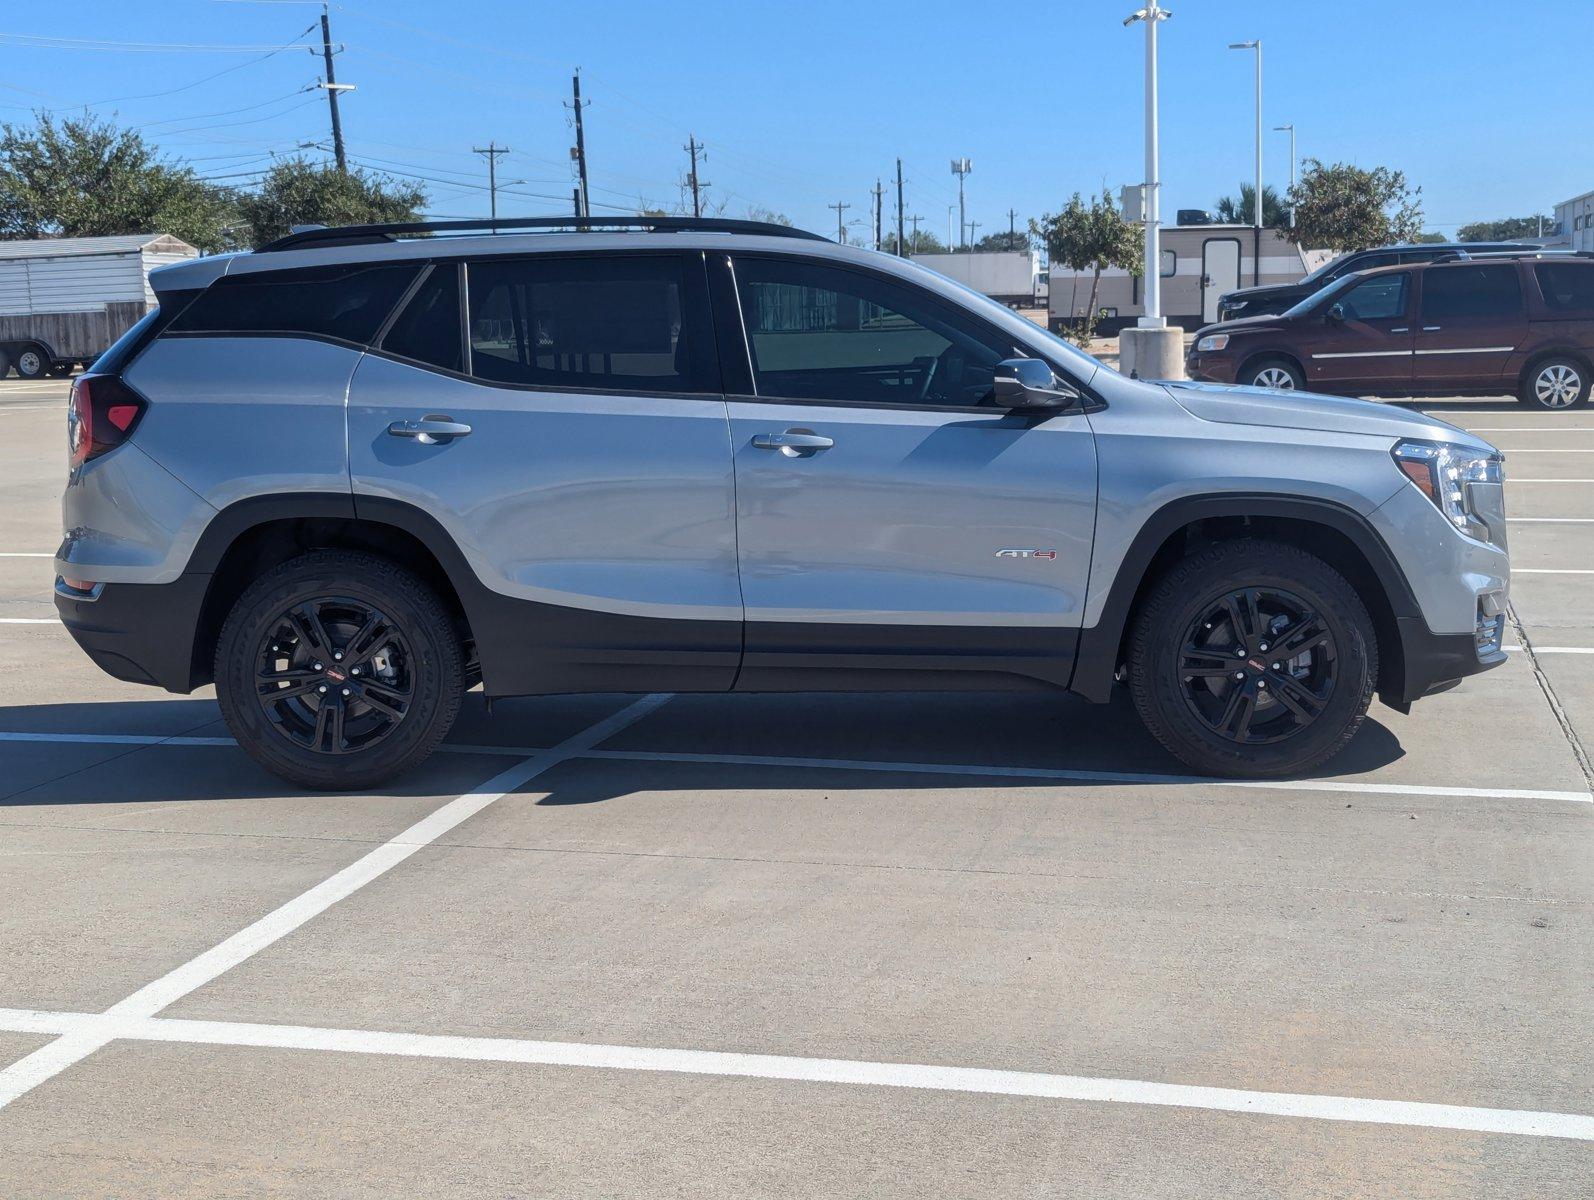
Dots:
(1450, 256)
(352, 235)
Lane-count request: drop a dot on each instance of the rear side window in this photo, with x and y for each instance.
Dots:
(428, 329)
(1469, 291)
(1567, 287)
(347, 302)
(619, 322)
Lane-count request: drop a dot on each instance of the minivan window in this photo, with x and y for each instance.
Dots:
(1471, 291)
(1567, 287)
(1380, 298)
(817, 332)
(348, 302)
(428, 328)
(603, 321)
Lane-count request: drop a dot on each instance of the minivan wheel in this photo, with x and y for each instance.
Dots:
(1280, 374)
(1556, 383)
(1253, 658)
(338, 670)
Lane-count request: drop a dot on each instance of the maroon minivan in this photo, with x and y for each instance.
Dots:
(1481, 325)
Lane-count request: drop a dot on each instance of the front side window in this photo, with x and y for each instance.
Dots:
(348, 302)
(1381, 298)
(1471, 291)
(1567, 287)
(818, 332)
(615, 322)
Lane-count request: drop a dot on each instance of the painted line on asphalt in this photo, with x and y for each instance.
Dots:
(1550, 571)
(1543, 450)
(1549, 520)
(30, 620)
(27, 554)
(1529, 429)
(1553, 649)
(960, 770)
(28, 1072)
(90, 1028)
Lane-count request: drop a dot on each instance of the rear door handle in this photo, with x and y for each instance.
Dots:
(794, 443)
(1402, 329)
(1432, 328)
(431, 430)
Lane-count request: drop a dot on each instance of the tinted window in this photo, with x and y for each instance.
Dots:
(823, 333)
(1567, 287)
(428, 328)
(1378, 299)
(1469, 291)
(1365, 262)
(348, 302)
(601, 322)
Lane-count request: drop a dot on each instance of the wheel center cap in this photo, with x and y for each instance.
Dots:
(335, 675)
(1256, 664)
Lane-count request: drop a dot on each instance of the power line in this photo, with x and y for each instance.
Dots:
(49, 42)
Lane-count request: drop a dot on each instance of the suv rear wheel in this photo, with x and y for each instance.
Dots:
(1555, 383)
(1274, 372)
(338, 670)
(1253, 658)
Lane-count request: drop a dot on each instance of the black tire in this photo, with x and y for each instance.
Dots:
(1274, 369)
(5, 364)
(32, 362)
(1556, 384)
(1182, 660)
(411, 659)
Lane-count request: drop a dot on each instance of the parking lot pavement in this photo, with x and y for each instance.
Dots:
(861, 945)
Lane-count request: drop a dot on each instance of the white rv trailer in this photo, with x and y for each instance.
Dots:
(1199, 264)
(1009, 276)
(63, 301)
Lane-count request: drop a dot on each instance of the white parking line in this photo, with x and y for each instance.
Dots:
(1542, 450)
(86, 1028)
(1530, 429)
(1553, 649)
(27, 554)
(1550, 571)
(30, 620)
(28, 1072)
(1550, 520)
(961, 770)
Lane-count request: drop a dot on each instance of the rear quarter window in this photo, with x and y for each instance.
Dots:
(346, 302)
(1567, 287)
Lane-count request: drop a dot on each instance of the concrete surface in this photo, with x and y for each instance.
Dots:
(1028, 883)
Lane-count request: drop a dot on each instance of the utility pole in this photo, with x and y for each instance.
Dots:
(915, 221)
(694, 148)
(951, 242)
(961, 168)
(879, 194)
(841, 228)
(579, 153)
(973, 225)
(1012, 216)
(333, 87)
(491, 153)
(902, 248)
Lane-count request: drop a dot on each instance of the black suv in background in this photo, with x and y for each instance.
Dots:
(1265, 301)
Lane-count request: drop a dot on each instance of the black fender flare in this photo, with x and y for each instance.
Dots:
(1097, 660)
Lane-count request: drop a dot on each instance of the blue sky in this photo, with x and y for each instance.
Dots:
(802, 106)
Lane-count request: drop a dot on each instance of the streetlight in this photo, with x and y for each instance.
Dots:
(1256, 258)
(1289, 129)
(1152, 15)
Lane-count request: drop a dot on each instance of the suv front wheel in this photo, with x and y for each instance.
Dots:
(1253, 658)
(338, 670)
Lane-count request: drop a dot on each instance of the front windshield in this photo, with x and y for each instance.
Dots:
(1300, 308)
(1322, 271)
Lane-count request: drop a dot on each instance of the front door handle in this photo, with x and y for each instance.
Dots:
(1432, 328)
(794, 443)
(431, 430)
(1402, 329)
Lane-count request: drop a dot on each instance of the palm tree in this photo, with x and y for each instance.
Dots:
(1239, 212)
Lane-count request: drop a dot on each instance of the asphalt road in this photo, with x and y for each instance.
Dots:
(904, 946)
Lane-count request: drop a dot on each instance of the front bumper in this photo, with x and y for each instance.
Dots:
(1211, 368)
(140, 632)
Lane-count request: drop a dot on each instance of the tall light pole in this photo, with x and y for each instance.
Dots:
(1289, 129)
(1256, 233)
(961, 168)
(1153, 14)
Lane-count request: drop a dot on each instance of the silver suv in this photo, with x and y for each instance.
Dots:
(353, 474)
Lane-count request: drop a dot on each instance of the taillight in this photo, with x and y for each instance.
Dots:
(101, 416)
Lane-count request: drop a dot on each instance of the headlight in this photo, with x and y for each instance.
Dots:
(1213, 341)
(1445, 473)
(1235, 305)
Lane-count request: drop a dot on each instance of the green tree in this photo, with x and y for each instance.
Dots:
(757, 212)
(1017, 240)
(1344, 207)
(1089, 237)
(1431, 237)
(1233, 211)
(1503, 230)
(297, 191)
(84, 177)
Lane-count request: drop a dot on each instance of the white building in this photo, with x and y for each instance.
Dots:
(1574, 223)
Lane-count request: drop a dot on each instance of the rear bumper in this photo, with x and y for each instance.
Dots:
(140, 632)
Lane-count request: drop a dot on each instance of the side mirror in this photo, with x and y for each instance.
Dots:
(1029, 385)
(1336, 312)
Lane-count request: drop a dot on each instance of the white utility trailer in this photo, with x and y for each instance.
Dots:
(63, 301)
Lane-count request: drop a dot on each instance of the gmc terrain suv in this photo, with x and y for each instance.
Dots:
(350, 475)
(1275, 298)
(1488, 325)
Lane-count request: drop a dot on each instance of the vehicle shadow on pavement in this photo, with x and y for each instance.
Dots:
(1033, 731)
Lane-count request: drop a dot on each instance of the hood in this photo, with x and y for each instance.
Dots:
(1261, 324)
(1309, 410)
(1267, 292)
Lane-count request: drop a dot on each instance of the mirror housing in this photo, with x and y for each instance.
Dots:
(1335, 312)
(1030, 385)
